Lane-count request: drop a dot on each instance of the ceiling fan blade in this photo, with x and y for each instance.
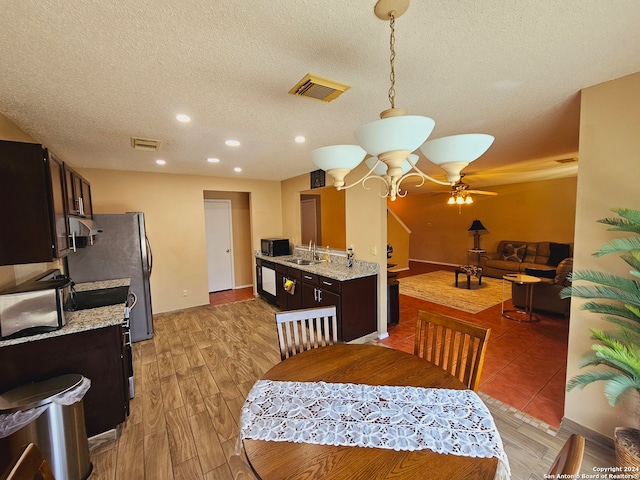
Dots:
(481, 192)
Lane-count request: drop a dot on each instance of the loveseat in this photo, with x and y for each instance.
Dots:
(546, 294)
(513, 256)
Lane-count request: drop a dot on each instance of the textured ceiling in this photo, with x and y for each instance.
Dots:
(82, 77)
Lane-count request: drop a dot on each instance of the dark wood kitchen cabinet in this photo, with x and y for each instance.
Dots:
(78, 194)
(33, 215)
(356, 302)
(288, 300)
(98, 354)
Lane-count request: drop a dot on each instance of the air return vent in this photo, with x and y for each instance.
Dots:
(145, 144)
(319, 88)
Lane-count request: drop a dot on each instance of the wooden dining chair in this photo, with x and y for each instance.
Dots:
(30, 465)
(454, 345)
(569, 459)
(300, 330)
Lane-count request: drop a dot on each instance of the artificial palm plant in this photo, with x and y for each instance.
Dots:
(617, 349)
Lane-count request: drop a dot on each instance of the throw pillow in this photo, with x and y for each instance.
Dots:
(540, 272)
(513, 254)
(532, 251)
(558, 252)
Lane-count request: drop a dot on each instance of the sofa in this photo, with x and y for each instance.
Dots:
(546, 294)
(513, 256)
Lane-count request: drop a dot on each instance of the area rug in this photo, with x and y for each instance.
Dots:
(440, 287)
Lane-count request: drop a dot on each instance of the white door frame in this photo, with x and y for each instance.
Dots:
(231, 278)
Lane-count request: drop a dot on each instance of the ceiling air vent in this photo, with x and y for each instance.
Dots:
(319, 88)
(145, 144)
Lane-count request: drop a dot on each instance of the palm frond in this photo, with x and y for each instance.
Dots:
(618, 245)
(605, 293)
(628, 330)
(620, 225)
(628, 213)
(607, 280)
(616, 386)
(585, 379)
(632, 259)
(617, 309)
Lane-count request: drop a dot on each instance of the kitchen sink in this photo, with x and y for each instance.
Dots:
(102, 297)
(302, 261)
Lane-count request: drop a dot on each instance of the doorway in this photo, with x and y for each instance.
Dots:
(310, 219)
(219, 240)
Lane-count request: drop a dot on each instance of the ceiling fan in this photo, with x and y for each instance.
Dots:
(460, 193)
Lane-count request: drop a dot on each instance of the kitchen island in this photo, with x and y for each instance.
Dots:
(92, 344)
(299, 281)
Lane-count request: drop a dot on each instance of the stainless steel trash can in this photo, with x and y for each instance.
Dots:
(59, 432)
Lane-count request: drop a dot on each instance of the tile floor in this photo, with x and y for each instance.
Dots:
(525, 364)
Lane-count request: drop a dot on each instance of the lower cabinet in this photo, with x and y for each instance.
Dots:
(356, 302)
(97, 354)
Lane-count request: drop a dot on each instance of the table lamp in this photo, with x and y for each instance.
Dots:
(477, 226)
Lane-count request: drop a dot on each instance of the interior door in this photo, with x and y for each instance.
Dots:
(219, 237)
(309, 221)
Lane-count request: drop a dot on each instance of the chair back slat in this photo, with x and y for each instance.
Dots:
(569, 459)
(454, 345)
(317, 327)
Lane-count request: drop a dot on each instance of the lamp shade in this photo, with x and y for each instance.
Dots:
(465, 148)
(476, 225)
(381, 169)
(405, 132)
(338, 156)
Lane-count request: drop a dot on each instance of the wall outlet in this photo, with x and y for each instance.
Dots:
(184, 292)
(374, 250)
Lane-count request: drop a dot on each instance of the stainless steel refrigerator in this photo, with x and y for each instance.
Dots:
(121, 250)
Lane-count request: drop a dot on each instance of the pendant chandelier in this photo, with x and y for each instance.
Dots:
(391, 141)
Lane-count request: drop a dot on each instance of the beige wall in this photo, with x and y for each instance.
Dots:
(535, 211)
(174, 214)
(11, 275)
(241, 226)
(609, 172)
(398, 235)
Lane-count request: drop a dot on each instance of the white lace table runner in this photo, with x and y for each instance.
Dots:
(400, 418)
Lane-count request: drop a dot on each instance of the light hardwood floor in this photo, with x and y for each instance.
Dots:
(191, 380)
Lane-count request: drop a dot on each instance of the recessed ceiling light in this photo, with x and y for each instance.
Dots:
(183, 118)
(237, 169)
(232, 143)
(300, 139)
(160, 162)
(213, 160)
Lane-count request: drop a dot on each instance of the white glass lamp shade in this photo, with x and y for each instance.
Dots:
(455, 152)
(405, 132)
(381, 169)
(338, 156)
(338, 161)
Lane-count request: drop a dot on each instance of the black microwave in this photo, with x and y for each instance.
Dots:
(274, 247)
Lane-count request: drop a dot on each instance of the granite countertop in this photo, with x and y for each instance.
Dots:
(336, 269)
(83, 320)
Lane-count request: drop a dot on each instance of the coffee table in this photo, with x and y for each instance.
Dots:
(529, 282)
(469, 271)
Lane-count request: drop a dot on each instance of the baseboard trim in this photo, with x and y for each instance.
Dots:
(569, 426)
(434, 263)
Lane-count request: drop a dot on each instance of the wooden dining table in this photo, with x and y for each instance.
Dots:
(370, 365)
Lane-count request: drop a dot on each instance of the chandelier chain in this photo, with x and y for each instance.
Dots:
(392, 58)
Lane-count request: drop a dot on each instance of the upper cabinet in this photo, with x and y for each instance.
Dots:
(78, 194)
(33, 218)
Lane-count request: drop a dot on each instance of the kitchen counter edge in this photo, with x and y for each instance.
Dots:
(333, 269)
(83, 320)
